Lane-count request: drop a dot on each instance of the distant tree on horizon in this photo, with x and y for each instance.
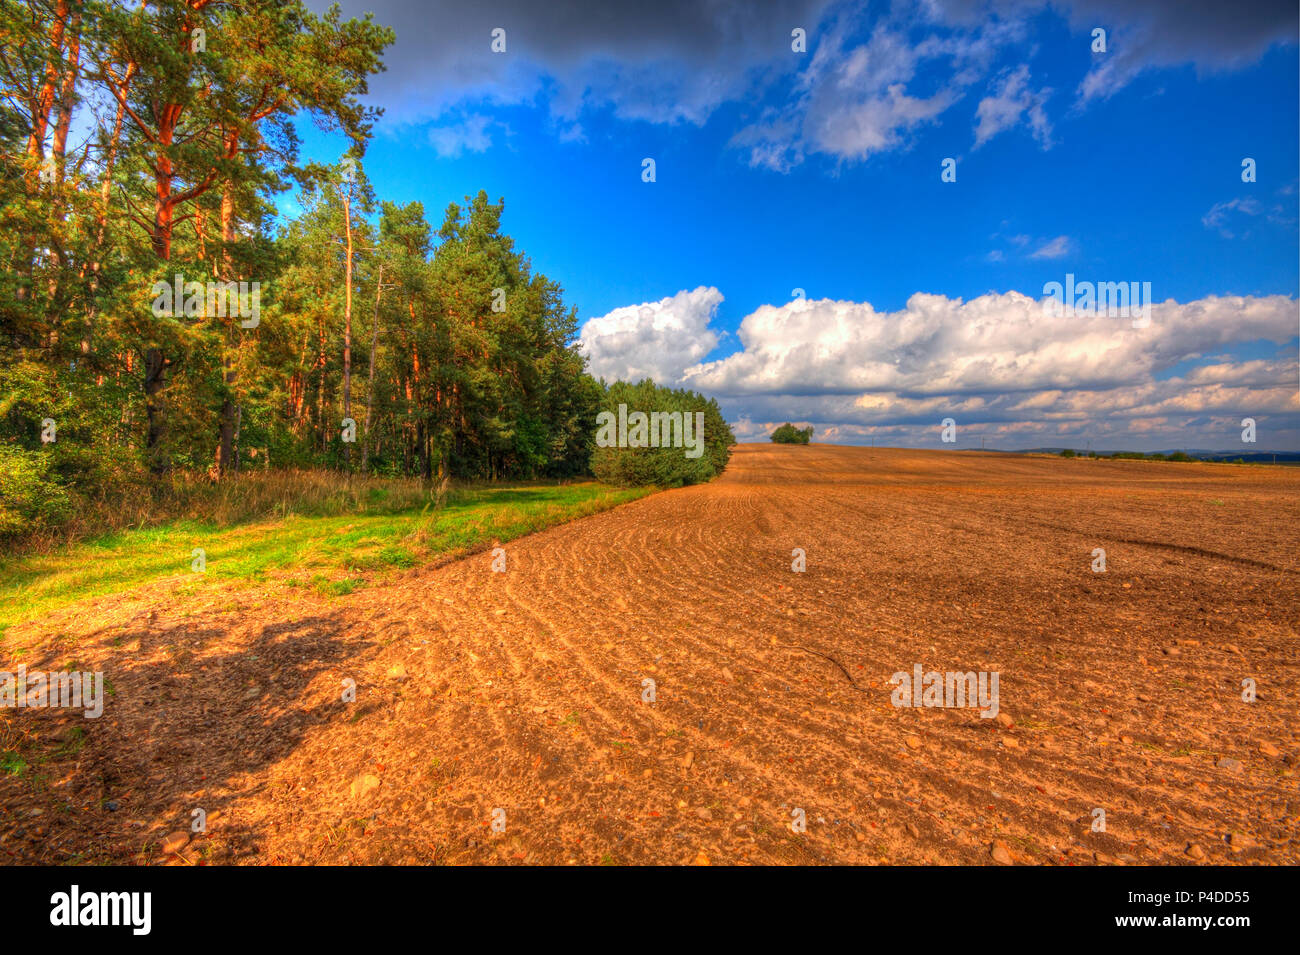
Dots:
(789, 434)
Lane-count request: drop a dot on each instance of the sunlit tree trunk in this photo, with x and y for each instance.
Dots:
(370, 381)
(347, 314)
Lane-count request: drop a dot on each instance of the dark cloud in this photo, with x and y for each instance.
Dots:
(672, 60)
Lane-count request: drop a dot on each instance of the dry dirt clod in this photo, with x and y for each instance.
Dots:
(175, 842)
(1239, 841)
(1000, 853)
(364, 785)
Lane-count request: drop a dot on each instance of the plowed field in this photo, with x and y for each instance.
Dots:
(523, 691)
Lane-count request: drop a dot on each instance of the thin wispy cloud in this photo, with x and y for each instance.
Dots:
(469, 135)
(1224, 212)
(1011, 102)
(1057, 248)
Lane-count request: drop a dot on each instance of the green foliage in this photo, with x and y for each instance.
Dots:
(789, 434)
(1067, 453)
(12, 763)
(1180, 456)
(31, 493)
(669, 464)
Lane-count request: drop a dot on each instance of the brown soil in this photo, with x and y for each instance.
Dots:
(523, 691)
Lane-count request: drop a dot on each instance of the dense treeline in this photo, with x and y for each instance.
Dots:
(648, 434)
(142, 147)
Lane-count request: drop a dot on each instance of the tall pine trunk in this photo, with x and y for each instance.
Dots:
(226, 446)
(370, 381)
(347, 318)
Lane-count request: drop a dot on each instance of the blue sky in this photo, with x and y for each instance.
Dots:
(820, 170)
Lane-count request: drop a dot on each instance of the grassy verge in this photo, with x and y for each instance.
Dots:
(332, 552)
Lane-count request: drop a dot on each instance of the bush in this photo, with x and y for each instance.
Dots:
(789, 434)
(1179, 456)
(640, 462)
(31, 495)
(1067, 453)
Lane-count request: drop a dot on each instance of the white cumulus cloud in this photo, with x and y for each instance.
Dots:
(653, 339)
(998, 363)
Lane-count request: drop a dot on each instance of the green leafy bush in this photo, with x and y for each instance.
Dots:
(789, 434)
(647, 434)
(31, 494)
